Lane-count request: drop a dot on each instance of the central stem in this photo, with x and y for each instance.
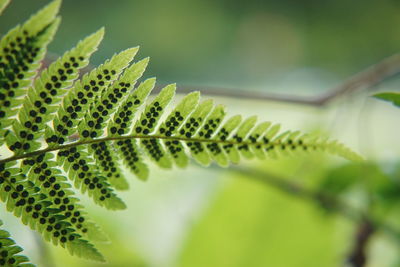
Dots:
(116, 138)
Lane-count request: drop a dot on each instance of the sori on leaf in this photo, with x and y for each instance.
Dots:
(108, 109)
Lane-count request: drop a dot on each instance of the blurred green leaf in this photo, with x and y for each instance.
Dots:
(393, 97)
(253, 225)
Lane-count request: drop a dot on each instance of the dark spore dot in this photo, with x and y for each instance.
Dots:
(38, 104)
(32, 113)
(85, 133)
(26, 146)
(43, 95)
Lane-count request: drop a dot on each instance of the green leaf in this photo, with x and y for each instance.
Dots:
(34, 206)
(148, 122)
(43, 98)
(85, 250)
(128, 149)
(24, 46)
(104, 154)
(9, 251)
(174, 122)
(3, 5)
(393, 97)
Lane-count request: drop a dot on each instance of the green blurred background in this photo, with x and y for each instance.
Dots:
(213, 217)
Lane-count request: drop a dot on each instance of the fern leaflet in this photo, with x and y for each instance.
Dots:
(10, 252)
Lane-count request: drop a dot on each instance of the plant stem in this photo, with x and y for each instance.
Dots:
(325, 200)
(125, 137)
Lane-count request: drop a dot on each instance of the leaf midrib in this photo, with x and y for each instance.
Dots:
(125, 137)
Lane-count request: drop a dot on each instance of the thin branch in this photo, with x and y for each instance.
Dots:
(367, 78)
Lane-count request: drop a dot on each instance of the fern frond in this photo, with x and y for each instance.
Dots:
(10, 252)
(122, 120)
(207, 125)
(44, 96)
(147, 123)
(105, 156)
(113, 121)
(53, 184)
(200, 133)
(28, 202)
(79, 98)
(21, 51)
(77, 162)
(173, 124)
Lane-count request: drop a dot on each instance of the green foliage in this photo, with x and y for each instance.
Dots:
(10, 252)
(382, 184)
(65, 131)
(22, 49)
(393, 97)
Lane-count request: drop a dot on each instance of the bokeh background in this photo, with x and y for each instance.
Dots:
(215, 217)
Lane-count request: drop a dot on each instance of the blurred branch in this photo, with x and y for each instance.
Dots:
(362, 80)
(367, 78)
(325, 200)
(358, 254)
